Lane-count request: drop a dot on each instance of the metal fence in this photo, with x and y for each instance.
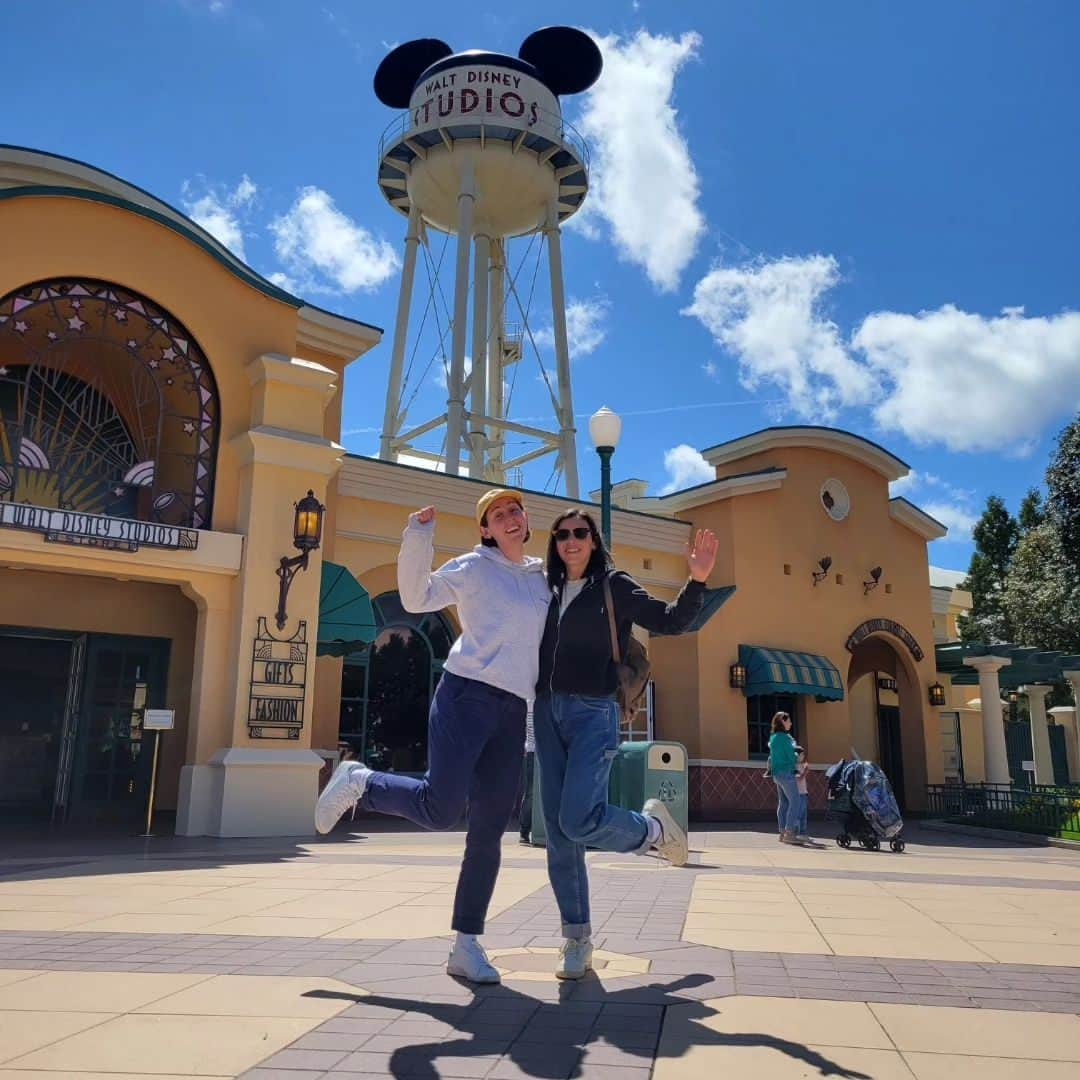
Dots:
(1044, 809)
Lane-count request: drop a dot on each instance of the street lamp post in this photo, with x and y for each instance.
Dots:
(605, 427)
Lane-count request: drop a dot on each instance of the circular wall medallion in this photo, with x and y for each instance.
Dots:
(835, 499)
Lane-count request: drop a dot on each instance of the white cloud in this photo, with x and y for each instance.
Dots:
(768, 316)
(905, 485)
(326, 250)
(955, 518)
(643, 183)
(585, 326)
(220, 211)
(685, 468)
(969, 381)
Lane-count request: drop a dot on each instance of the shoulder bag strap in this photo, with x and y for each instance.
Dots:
(611, 621)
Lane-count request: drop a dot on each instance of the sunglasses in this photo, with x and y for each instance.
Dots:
(579, 533)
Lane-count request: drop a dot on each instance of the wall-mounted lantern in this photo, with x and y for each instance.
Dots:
(737, 674)
(937, 695)
(307, 535)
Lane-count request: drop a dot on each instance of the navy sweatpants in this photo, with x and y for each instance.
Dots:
(476, 737)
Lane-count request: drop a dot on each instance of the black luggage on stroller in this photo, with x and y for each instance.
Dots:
(861, 798)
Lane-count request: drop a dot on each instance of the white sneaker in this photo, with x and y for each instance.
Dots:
(469, 961)
(575, 958)
(672, 843)
(342, 793)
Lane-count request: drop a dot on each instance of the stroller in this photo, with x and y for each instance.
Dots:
(861, 799)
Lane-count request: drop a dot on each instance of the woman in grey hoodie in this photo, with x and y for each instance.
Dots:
(476, 727)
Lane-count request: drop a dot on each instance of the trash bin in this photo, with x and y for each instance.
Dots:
(640, 771)
(651, 770)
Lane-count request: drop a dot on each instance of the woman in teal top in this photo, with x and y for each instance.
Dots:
(782, 766)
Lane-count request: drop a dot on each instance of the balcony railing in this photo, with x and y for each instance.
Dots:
(1043, 809)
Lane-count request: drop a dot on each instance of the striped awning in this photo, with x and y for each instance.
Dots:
(782, 671)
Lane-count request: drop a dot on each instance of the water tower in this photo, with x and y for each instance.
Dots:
(483, 154)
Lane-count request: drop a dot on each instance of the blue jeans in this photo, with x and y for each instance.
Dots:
(576, 741)
(804, 805)
(476, 736)
(787, 806)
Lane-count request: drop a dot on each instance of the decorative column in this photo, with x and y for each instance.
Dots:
(1040, 737)
(1073, 678)
(1065, 715)
(995, 755)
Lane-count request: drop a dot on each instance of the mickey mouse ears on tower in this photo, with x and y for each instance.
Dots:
(564, 59)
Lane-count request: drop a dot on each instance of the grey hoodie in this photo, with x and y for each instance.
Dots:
(501, 605)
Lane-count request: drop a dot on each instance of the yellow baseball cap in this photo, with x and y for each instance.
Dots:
(494, 495)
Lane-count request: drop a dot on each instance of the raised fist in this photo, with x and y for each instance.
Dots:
(425, 516)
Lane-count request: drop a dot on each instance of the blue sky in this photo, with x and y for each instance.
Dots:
(860, 213)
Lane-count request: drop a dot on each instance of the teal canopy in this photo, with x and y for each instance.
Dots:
(346, 617)
(713, 602)
(781, 671)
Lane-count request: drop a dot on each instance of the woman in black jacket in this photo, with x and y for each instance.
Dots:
(576, 716)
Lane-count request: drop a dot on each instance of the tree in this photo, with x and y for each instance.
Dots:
(1040, 601)
(1063, 494)
(996, 535)
(1032, 512)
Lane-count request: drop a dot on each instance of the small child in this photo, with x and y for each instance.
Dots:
(801, 769)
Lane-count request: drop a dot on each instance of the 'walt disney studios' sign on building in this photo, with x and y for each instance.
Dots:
(95, 530)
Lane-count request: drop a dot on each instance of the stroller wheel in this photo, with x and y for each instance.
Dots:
(875, 844)
(897, 845)
(844, 840)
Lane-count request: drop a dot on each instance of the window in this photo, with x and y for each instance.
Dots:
(759, 713)
(386, 690)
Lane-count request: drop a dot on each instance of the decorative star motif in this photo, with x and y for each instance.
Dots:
(154, 364)
(132, 343)
(75, 323)
(189, 427)
(120, 315)
(118, 492)
(168, 354)
(51, 335)
(21, 327)
(76, 304)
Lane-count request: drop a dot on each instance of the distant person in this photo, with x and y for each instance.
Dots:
(782, 768)
(802, 770)
(476, 725)
(576, 715)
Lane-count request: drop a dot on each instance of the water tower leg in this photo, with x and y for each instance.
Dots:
(478, 395)
(455, 405)
(567, 442)
(496, 332)
(391, 419)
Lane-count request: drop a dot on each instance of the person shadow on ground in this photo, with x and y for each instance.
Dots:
(571, 1033)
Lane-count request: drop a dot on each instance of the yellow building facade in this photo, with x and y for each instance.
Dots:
(162, 409)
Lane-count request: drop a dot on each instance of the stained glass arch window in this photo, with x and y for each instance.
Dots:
(107, 405)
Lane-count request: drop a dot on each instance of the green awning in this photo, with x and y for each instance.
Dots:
(346, 617)
(713, 602)
(781, 671)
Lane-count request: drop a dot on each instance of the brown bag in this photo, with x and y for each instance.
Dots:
(633, 672)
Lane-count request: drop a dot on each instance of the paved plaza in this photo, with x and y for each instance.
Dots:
(275, 959)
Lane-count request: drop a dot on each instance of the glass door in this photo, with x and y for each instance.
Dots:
(111, 774)
(34, 671)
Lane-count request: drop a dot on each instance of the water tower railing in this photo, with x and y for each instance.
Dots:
(549, 125)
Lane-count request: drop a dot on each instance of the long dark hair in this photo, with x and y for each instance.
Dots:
(599, 560)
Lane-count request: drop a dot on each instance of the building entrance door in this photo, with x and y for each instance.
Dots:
(889, 747)
(111, 772)
(35, 671)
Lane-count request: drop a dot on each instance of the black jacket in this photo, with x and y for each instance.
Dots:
(575, 653)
